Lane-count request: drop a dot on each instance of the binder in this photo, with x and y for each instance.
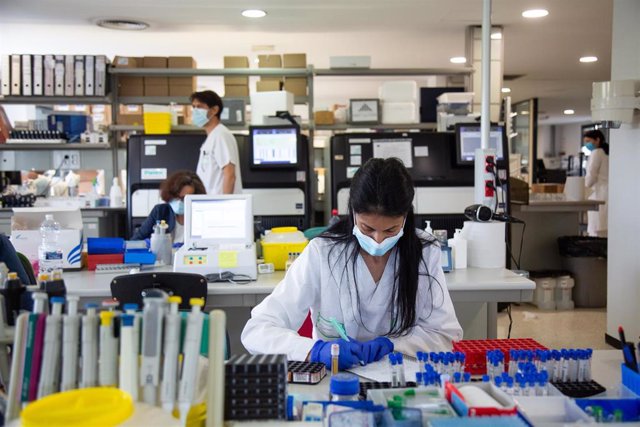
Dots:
(5, 75)
(16, 72)
(27, 77)
(100, 82)
(37, 87)
(59, 76)
(69, 83)
(49, 67)
(79, 75)
(89, 67)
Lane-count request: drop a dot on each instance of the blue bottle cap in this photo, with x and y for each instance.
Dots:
(344, 384)
(393, 359)
(400, 358)
(485, 378)
(419, 377)
(498, 381)
(457, 377)
(433, 355)
(131, 306)
(504, 376)
(467, 377)
(428, 368)
(510, 382)
(127, 319)
(463, 357)
(57, 300)
(90, 305)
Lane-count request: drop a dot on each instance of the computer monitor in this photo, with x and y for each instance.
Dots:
(274, 146)
(223, 219)
(468, 139)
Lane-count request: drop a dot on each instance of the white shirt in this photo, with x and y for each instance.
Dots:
(597, 179)
(218, 150)
(318, 281)
(178, 233)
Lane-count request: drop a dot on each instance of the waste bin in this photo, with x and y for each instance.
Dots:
(586, 259)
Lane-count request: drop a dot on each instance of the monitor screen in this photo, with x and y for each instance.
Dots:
(218, 219)
(469, 139)
(274, 146)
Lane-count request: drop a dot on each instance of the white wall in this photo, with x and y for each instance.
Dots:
(545, 137)
(624, 193)
(559, 139)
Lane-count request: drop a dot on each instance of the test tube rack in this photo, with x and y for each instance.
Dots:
(475, 351)
(256, 387)
(306, 372)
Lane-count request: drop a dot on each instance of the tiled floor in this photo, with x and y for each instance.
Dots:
(579, 328)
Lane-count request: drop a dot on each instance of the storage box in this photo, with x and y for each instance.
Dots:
(25, 233)
(399, 91)
(294, 60)
(236, 62)
(268, 85)
(324, 117)
(155, 86)
(547, 188)
(464, 409)
(296, 85)
(129, 115)
(127, 62)
(94, 260)
(283, 241)
(157, 122)
(400, 113)
(182, 86)
(268, 103)
(236, 91)
(105, 245)
(269, 61)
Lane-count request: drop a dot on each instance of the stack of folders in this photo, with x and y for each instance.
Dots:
(143, 353)
(53, 75)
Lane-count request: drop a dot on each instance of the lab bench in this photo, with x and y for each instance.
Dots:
(97, 222)
(546, 220)
(475, 294)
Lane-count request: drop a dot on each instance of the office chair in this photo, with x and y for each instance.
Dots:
(28, 268)
(131, 288)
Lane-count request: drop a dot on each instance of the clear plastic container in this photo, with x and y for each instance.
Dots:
(49, 251)
(344, 387)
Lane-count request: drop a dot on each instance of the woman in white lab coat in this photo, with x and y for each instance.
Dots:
(372, 278)
(597, 180)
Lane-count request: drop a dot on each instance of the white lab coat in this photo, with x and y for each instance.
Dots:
(218, 150)
(311, 284)
(597, 180)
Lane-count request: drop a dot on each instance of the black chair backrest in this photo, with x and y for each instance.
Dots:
(130, 288)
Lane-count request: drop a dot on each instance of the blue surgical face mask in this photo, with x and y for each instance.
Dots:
(199, 117)
(374, 248)
(178, 206)
(589, 146)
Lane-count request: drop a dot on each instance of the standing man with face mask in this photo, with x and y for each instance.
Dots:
(219, 163)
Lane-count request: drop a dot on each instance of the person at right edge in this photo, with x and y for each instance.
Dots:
(219, 163)
(597, 180)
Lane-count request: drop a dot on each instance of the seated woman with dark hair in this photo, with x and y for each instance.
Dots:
(173, 190)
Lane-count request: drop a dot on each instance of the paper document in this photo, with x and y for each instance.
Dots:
(380, 371)
(399, 148)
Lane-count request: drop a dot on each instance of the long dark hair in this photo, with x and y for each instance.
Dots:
(385, 187)
(597, 134)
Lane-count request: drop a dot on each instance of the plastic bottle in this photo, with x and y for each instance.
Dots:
(334, 218)
(344, 387)
(49, 252)
(428, 228)
(115, 195)
(161, 243)
(459, 251)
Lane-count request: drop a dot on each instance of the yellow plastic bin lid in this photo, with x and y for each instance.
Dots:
(102, 406)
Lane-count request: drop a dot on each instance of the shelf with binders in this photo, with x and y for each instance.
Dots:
(34, 146)
(55, 100)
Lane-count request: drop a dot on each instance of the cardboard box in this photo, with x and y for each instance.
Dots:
(269, 61)
(324, 117)
(296, 85)
(294, 60)
(130, 115)
(127, 62)
(268, 85)
(182, 86)
(25, 233)
(236, 62)
(547, 188)
(155, 86)
(235, 91)
(129, 85)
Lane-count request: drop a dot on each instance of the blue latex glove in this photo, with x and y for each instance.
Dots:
(350, 353)
(374, 350)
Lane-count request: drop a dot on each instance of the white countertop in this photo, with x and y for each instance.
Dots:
(89, 284)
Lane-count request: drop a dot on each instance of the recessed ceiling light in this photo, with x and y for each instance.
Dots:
(588, 59)
(568, 112)
(122, 24)
(496, 36)
(535, 13)
(505, 90)
(458, 60)
(254, 13)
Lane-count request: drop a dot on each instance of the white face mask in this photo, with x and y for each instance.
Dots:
(372, 247)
